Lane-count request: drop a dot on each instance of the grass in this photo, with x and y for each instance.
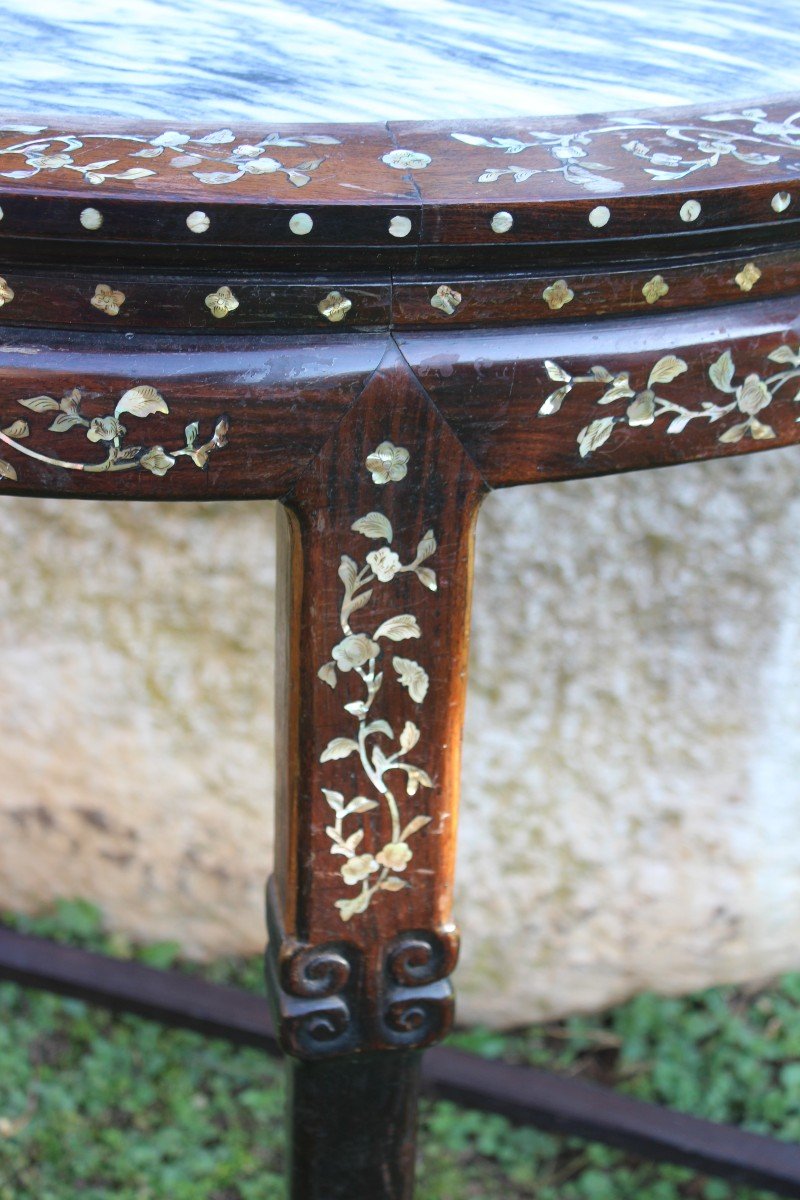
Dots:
(94, 1106)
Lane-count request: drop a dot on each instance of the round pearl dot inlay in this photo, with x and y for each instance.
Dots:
(502, 222)
(91, 218)
(399, 227)
(690, 211)
(599, 216)
(781, 201)
(301, 224)
(198, 221)
(1, 214)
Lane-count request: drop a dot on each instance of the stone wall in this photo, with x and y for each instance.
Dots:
(631, 812)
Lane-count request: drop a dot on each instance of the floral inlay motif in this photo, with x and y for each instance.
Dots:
(366, 653)
(43, 151)
(749, 397)
(667, 152)
(142, 401)
(107, 299)
(558, 294)
(6, 292)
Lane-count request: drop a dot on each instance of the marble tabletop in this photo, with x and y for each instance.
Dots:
(270, 60)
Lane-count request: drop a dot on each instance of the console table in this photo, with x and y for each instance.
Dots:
(376, 324)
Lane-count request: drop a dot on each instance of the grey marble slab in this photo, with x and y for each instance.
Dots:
(279, 60)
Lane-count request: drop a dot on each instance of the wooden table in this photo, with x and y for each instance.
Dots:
(376, 324)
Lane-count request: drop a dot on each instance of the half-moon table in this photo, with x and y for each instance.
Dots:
(224, 273)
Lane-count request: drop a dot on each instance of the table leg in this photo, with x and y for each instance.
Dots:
(375, 580)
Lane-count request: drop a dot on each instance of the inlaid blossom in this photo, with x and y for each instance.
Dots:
(412, 676)
(221, 302)
(107, 299)
(358, 868)
(49, 162)
(558, 294)
(748, 277)
(654, 289)
(643, 409)
(388, 463)
(157, 461)
(105, 429)
(354, 651)
(6, 292)
(753, 395)
(384, 563)
(395, 856)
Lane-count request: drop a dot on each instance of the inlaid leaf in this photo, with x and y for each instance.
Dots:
(734, 434)
(784, 354)
(360, 804)
(185, 160)
(339, 747)
(380, 726)
(321, 139)
(620, 390)
(141, 401)
(679, 423)
(335, 799)
(470, 139)
(298, 178)
(327, 674)
(414, 826)
(554, 401)
(354, 839)
(426, 547)
(7, 471)
(393, 884)
(65, 421)
(312, 164)
(356, 708)
(347, 571)
(217, 176)
(760, 431)
(595, 435)
(134, 173)
(492, 175)
(373, 525)
(398, 628)
(40, 404)
(667, 369)
(412, 676)
(427, 577)
(409, 737)
(148, 152)
(722, 371)
(218, 138)
(19, 429)
(557, 373)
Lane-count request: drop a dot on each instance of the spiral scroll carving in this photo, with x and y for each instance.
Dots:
(417, 1006)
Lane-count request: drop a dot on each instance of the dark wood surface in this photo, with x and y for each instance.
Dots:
(376, 325)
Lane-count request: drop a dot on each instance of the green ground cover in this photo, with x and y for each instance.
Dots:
(95, 1107)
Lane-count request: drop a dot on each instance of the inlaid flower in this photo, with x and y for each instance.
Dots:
(406, 160)
(753, 395)
(354, 651)
(105, 429)
(247, 151)
(748, 277)
(654, 289)
(107, 299)
(261, 166)
(412, 676)
(384, 563)
(643, 409)
(558, 294)
(6, 292)
(388, 463)
(49, 162)
(221, 302)
(157, 461)
(395, 856)
(358, 868)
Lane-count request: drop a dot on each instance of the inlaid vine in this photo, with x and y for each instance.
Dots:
(367, 653)
(749, 397)
(668, 152)
(202, 156)
(110, 433)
